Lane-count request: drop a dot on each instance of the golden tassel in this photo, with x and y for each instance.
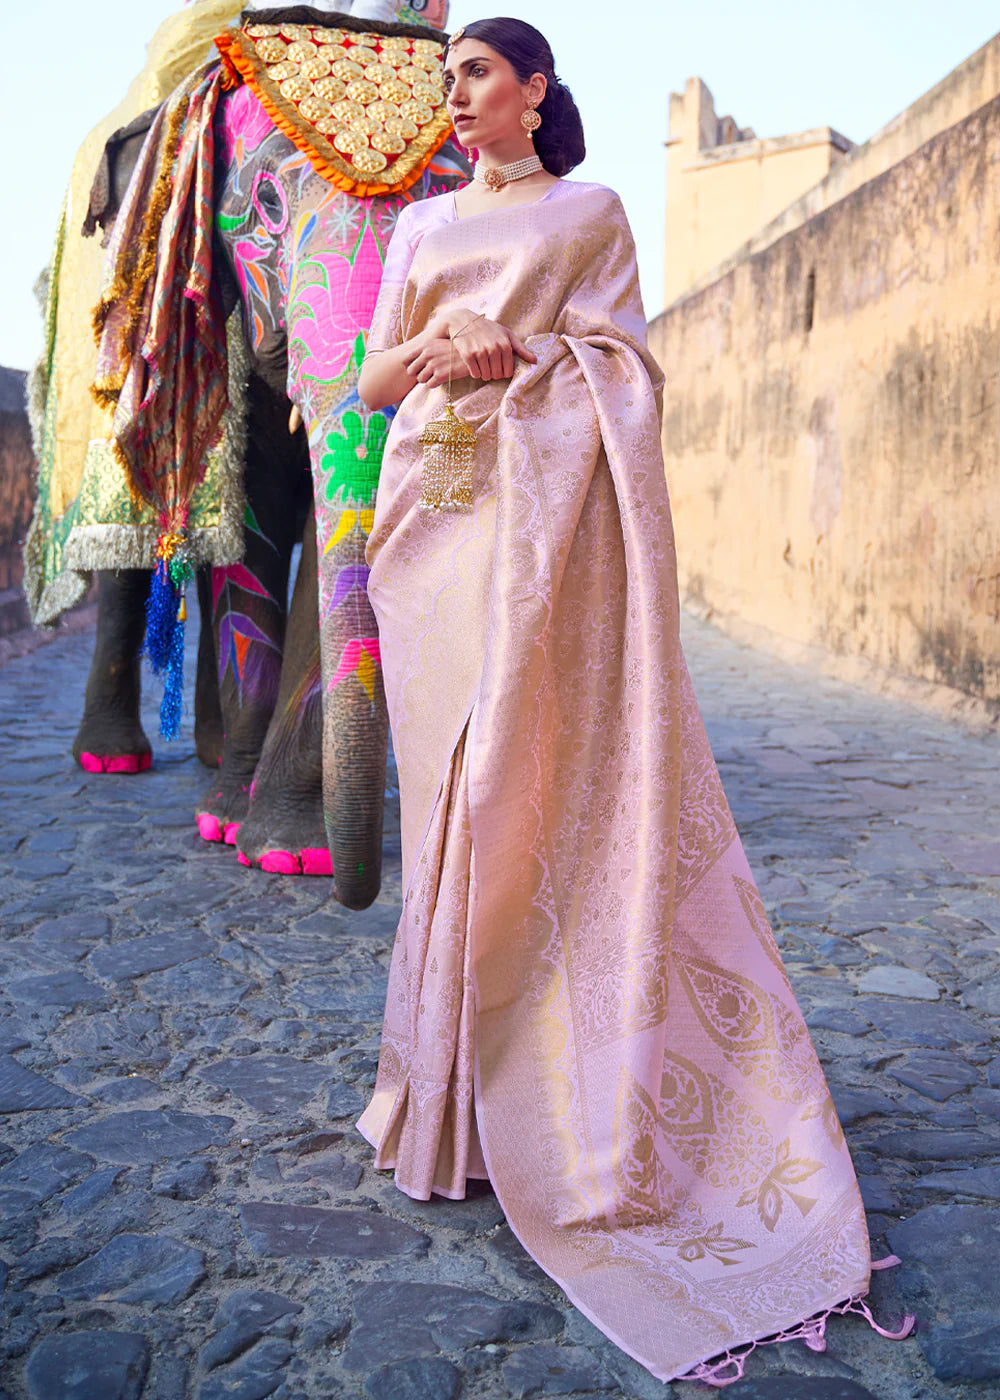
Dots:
(448, 443)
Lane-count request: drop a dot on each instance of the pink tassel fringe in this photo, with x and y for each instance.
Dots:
(731, 1367)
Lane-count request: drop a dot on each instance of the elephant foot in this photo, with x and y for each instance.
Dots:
(210, 828)
(112, 743)
(285, 834)
(115, 763)
(311, 860)
(221, 812)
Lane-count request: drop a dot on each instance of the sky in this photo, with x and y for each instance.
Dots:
(779, 66)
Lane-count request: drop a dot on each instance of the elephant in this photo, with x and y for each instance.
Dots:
(290, 708)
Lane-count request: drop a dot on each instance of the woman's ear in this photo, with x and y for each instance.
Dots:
(536, 89)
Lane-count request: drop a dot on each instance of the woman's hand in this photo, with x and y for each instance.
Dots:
(429, 363)
(488, 349)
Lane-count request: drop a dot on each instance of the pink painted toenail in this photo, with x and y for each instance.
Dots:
(209, 827)
(115, 763)
(244, 860)
(280, 863)
(229, 833)
(316, 860)
(125, 763)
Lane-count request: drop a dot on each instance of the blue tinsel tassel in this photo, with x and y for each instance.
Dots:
(165, 646)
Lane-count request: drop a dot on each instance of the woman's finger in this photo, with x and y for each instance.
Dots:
(496, 363)
(522, 350)
(507, 368)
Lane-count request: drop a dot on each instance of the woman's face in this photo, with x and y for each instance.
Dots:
(485, 97)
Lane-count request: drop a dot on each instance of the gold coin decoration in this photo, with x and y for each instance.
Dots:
(390, 145)
(348, 112)
(416, 111)
(369, 162)
(368, 94)
(381, 73)
(382, 111)
(423, 92)
(394, 91)
(301, 51)
(348, 141)
(315, 68)
(401, 126)
(272, 50)
(347, 71)
(360, 91)
(329, 89)
(278, 72)
(295, 89)
(313, 108)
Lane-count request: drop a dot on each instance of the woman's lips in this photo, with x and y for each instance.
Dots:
(462, 118)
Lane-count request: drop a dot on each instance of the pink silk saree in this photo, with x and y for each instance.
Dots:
(586, 1002)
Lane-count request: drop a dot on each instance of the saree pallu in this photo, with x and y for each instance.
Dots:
(585, 999)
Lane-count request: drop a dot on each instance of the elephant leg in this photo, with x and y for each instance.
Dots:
(208, 725)
(111, 738)
(284, 829)
(249, 602)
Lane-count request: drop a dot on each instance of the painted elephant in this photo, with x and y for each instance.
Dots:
(303, 258)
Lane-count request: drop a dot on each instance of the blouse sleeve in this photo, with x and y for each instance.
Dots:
(386, 330)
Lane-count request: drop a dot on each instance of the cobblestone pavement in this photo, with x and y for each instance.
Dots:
(187, 1212)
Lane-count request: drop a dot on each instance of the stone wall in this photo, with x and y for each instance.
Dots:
(966, 88)
(723, 183)
(17, 477)
(832, 424)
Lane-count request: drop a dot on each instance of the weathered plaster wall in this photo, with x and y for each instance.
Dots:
(966, 88)
(723, 183)
(832, 423)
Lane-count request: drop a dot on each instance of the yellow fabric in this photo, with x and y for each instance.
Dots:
(179, 46)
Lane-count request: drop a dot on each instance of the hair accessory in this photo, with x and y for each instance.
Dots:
(530, 120)
(447, 443)
(458, 34)
(496, 176)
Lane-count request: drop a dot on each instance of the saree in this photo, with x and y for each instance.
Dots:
(586, 1003)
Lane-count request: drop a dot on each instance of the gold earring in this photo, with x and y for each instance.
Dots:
(531, 121)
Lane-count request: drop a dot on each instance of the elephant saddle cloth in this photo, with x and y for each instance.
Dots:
(366, 107)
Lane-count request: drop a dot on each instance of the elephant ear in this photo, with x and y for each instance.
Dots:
(310, 99)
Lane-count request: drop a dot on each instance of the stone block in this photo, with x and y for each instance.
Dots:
(308, 1232)
(268, 1083)
(935, 1074)
(88, 1366)
(254, 1376)
(137, 1269)
(135, 957)
(949, 1278)
(245, 1316)
(547, 1369)
(22, 1089)
(151, 1135)
(425, 1378)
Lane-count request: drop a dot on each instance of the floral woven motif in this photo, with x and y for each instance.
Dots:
(368, 109)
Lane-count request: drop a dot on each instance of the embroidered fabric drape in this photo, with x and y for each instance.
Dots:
(583, 954)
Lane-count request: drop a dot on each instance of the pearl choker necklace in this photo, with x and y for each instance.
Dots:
(496, 176)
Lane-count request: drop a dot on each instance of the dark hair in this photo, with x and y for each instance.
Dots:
(559, 140)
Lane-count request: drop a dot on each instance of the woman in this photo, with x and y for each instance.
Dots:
(586, 1004)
